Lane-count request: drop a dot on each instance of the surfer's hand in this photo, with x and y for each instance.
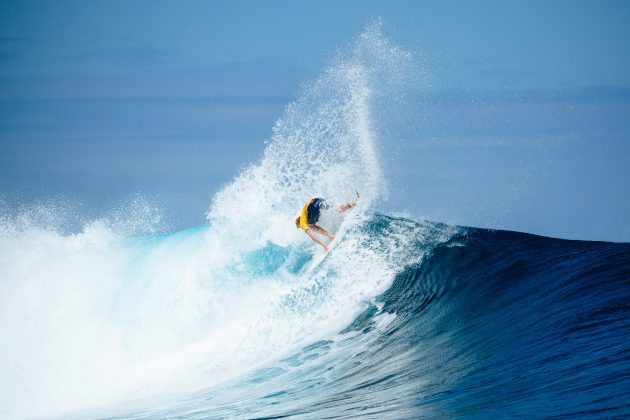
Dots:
(325, 249)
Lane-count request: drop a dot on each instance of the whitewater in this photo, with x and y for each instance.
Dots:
(116, 318)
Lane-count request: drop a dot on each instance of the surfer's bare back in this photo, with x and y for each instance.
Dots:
(310, 216)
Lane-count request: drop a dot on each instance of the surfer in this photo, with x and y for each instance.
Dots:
(310, 216)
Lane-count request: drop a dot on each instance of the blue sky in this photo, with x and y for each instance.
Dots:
(524, 124)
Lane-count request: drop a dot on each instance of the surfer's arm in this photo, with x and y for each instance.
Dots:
(315, 239)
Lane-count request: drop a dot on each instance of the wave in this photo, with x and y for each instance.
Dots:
(95, 317)
(482, 324)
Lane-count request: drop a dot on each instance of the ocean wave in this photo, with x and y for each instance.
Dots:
(483, 324)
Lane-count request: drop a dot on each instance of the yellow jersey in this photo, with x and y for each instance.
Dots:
(304, 217)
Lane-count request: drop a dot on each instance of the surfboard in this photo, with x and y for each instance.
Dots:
(319, 258)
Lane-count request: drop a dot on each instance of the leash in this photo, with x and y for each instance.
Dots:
(354, 180)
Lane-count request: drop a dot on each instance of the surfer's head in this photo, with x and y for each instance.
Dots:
(297, 222)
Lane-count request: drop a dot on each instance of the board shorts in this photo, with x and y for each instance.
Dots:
(311, 212)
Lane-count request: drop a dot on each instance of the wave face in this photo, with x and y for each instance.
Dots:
(237, 319)
(486, 324)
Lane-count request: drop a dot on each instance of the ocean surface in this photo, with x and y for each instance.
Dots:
(118, 317)
(476, 323)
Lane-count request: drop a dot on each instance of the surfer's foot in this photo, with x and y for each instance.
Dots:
(325, 250)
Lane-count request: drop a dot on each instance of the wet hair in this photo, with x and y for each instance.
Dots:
(297, 222)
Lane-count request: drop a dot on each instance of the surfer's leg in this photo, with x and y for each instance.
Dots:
(323, 231)
(315, 239)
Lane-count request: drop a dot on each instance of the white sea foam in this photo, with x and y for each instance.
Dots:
(101, 315)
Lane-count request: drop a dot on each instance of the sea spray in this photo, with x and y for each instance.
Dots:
(325, 137)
